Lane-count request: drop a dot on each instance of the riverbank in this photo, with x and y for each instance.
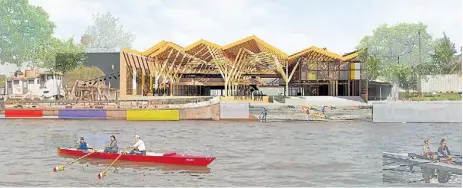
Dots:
(215, 109)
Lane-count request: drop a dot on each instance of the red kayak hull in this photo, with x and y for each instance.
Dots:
(167, 158)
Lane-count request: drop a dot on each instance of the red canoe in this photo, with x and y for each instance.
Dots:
(165, 158)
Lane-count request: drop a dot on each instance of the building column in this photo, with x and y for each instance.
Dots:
(142, 83)
(151, 86)
(348, 87)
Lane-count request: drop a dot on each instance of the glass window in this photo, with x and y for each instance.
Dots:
(31, 82)
(16, 82)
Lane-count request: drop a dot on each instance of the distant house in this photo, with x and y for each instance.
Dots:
(2, 93)
(32, 83)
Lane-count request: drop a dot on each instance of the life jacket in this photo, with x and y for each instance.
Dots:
(83, 146)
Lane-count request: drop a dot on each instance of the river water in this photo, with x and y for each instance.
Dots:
(248, 153)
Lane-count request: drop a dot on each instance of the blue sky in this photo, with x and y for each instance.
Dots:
(289, 25)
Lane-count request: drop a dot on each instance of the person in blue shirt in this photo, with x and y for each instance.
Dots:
(444, 152)
(264, 115)
(82, 145)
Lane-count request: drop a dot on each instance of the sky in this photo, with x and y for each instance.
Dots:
(289, 25)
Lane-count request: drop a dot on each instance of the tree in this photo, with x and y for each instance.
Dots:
(2, 81)
(371, 64)
(401, 74)
(408, 41)
(82, 73)
(24, 30)
(408, 45)
(54, 52)
(105, 35)
(443, 57)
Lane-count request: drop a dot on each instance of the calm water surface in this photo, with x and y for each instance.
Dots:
(248, 153)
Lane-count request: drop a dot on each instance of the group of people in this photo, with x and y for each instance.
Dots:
(443, 152)
(138, 148)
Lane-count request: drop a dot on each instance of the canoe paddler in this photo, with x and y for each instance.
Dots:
(443, 152)
(82, 145)
(112, 147)
(138, 147)
(427, 153)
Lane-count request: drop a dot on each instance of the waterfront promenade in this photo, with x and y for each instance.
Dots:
(220, 108)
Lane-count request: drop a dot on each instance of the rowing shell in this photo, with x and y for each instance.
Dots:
(405, 158)
(151, 157)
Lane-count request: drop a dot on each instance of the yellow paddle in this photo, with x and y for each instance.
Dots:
(102, 174)
(61, 167)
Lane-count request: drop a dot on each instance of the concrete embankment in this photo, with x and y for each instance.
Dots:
(282, 112)
(417, 112)
(217, 111)
(436, 111)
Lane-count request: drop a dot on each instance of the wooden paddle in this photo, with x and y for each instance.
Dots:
(102, 174)
(61, 167)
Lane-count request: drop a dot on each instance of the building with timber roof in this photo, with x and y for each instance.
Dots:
(238, 69)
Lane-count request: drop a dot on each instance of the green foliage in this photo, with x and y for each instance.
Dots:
(404, 52)
(400, 73)
(82, 73)
(106, 36)
(389, 42)
(431, 97)
(443, 57)
(25, 29)
(2, 80)
(371, 64)
(61, 56)
(66, 62)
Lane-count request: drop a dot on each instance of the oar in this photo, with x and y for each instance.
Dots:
(61, 167)
(102, 174)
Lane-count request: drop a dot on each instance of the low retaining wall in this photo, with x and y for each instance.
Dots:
(82, 114)
(421, 112)
(152, 115)
(234, 110)
(211, 112)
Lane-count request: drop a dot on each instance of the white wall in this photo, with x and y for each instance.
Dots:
(52, 85)
(422, 112)
(440, 83)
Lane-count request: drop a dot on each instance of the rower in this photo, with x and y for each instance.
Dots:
(427, 153)
(138, 147)
(82, 145)
(112, 148)
(444, 152)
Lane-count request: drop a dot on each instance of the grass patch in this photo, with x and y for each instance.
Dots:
(450, 96)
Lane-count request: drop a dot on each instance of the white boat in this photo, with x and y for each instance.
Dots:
(430, 169)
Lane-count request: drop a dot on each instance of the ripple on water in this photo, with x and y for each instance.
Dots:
(248, 154)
